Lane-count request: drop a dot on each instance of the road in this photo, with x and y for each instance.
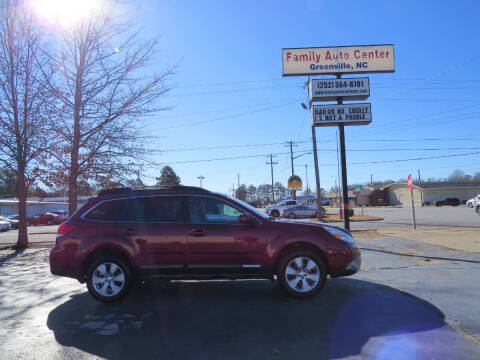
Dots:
(35, 234)
(445, 216)
(366, 316)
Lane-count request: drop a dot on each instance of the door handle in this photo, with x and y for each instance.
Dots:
(129, 230)
(197, 232)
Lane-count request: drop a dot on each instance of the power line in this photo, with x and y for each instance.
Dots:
(412, 159)
(227, 117)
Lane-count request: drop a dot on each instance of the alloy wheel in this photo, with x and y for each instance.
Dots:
(108, 279)
(302, 274)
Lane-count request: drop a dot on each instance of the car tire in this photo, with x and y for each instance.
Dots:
(275, 213)
(303, 281)
(478, 210)
(109, 278)
(292, 216)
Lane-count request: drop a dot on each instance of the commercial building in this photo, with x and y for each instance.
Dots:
(399, 194)
(37, 205)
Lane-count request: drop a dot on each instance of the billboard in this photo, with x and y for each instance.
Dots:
(338, 60)
(347, 114)
(331, 89)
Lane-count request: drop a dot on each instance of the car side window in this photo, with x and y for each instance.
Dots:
(143, 209)
(212, 211)
(291, 203)
(105, 211)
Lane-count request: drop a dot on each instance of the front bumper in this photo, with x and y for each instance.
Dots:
(352, 267)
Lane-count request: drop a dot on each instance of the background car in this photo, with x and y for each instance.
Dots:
(13, 222)
(44, 219)
(473, 201)
(447, 201)
(62, 214)
(5, 225)
(298, 211)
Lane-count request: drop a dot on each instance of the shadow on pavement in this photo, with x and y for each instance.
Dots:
(253, 319)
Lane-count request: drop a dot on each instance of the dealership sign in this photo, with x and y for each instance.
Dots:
(338, 60)
(346, 114)
(294, 183)
(331, 89)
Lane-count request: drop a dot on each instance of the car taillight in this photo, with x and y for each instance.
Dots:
(64, 229)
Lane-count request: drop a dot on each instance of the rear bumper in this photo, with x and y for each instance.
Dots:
(62, 264)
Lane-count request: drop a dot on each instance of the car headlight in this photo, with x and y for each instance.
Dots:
(342, 235)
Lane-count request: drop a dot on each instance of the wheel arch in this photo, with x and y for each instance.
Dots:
(105, 250)
(300, 245)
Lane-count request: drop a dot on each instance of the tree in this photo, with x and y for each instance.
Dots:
(457, 175)
(251, 193)
(8, 181)
(241, 192)
(167, 177)
(102, 92)
(23, 101)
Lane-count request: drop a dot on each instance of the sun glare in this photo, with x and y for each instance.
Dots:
(66, 13)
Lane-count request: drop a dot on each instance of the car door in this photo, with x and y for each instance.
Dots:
(156, 225)
(217, 239)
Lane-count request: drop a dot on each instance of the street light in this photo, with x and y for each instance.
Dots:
(201, 178)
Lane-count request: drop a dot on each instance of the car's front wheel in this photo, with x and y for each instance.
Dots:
(108, 278)
(302, 273)
(478, 210)
(275, 213)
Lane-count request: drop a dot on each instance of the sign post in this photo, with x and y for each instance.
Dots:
(336, 61)
(410, 187)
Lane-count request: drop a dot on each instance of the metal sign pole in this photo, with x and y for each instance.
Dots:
(317, 174)
(413, 210)
(343, 158)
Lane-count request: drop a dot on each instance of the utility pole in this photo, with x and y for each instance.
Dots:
(306, 178)
(233, 190)
(371, 179)
(238, 180)
(271, 163)
(420, 185)
(201, 178)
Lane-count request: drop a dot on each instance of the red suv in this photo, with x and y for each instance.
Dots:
(181, 232)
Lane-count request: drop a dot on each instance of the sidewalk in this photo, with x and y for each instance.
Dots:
(461, 238)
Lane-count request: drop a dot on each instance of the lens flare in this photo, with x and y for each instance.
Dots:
(66, 13)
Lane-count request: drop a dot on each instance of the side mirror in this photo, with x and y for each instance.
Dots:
(246, 219)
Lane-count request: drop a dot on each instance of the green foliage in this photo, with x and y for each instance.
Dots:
(167, 177)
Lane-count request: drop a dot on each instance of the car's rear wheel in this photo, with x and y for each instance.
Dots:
(302, 273)
(275, 213)
(108, 278)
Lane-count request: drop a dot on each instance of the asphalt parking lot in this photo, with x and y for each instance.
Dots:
(429, 216)
(387, 311)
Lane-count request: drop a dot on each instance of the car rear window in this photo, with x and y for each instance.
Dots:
(144, 209)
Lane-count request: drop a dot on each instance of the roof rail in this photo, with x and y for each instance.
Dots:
(108, 192)
(124, 190)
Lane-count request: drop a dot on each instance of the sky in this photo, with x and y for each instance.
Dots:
(231, 101)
